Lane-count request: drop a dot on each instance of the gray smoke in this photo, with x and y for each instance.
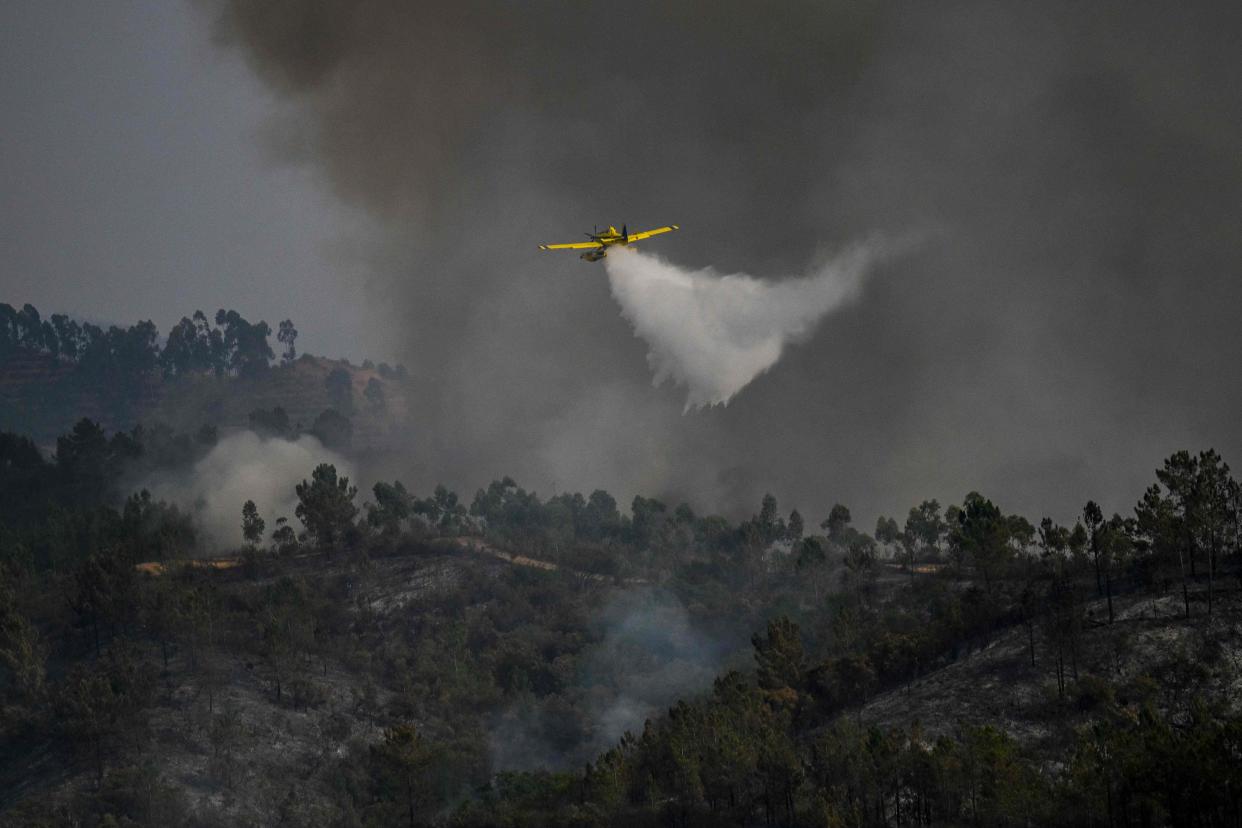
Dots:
(649, 655)
(1073, 322)
(241, 467)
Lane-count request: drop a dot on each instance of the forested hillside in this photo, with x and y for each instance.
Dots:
(393, 657)
(54, 371)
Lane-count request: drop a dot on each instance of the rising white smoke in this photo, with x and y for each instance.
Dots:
(243, 467)
(713, 333)
(649, 654)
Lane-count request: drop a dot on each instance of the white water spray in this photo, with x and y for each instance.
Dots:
(713, 333)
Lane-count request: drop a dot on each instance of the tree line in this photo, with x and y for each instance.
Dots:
(830, 615)
(232, 346)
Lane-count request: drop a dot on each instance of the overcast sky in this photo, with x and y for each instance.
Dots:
(134, 180)
(381, 172)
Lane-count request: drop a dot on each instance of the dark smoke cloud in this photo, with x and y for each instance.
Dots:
(1072, 320)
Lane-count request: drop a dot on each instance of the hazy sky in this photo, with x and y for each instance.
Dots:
(382, 171)
(134, 180)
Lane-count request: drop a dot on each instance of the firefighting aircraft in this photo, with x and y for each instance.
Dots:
(597, 247)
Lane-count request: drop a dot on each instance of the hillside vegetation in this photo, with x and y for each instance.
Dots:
(505, 659)
(55, 371)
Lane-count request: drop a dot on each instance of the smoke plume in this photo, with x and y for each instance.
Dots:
(1072, 324)
(241, 467)
(649, 653)
(714, 334)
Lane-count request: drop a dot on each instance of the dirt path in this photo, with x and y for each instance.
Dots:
(482, 547)
(468, 544)
(159, 568)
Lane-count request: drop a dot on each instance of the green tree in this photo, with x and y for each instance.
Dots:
(600, 518)
(403, 759)
(1199, 510)
(836, 524)
(795, 526)
(1093, 521)
(177, 355)
(981, 536)
(193, 346)
(104, 592)
(286, 618)
(333, 429)
(22, 651)
(98, 704)
(326, 505)
(152, 530)
(1076, 543)
(1063, 625)
(811, 558)
(252, 524)
(245, 349)
(393, 505)
(284, 539)
(859, 574)
(287, 336)
(1119, 550)
(1053, 539)
(771, 527)
(844, 682)
(1215, 516)
(1159, 530)
(647, 516)
(779, 657)
(1020, 533)
(886, 531)
(443, 511)
(1180, 476)
(68, 337)
(997, 782)
(120, 360)
(925, 525)
(87, 464)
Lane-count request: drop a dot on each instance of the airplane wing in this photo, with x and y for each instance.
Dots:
(646, 234)
(571, 246)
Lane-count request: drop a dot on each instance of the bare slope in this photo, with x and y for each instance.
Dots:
(1150, 651)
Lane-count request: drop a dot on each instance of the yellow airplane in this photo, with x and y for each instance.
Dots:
(597, 247)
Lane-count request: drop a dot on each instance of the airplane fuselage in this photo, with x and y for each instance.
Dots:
(607, 239)
(597, 247)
